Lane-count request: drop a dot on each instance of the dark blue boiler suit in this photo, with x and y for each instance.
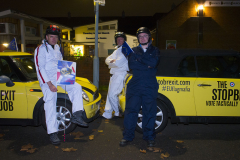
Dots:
(142, 90)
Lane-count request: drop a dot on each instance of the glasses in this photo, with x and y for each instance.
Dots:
(144, 36)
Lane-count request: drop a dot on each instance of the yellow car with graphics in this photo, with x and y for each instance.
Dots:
(22, 99)
(195, 86)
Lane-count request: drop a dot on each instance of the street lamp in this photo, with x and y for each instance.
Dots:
(200, 10)
(96, 58)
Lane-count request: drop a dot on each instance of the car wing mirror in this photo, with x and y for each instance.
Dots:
(7, 80)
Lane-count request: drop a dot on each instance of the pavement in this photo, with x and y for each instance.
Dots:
(103, 100)
(101, 142)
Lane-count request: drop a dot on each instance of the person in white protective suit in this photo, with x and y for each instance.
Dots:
(46, 61)
(118, 65)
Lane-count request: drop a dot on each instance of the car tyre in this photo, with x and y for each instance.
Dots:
(64, 113)
(161, 118)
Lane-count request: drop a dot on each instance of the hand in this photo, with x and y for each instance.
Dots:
(52, 87)
(112, 60)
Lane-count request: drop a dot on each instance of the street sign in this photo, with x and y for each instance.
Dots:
(222, 3)
(101, 2)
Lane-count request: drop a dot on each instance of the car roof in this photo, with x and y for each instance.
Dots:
(196, 52)
(14, 54)
(171, 58)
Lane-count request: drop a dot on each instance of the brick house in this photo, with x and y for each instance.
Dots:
(216, 26)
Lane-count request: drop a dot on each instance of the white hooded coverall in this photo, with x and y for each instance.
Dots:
(46, 63)
(118, 69)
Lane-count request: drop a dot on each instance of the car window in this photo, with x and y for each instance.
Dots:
(209, 66)
(5, 69)
(231, 66)
(218, 66)
(187, 67)
(26, 65)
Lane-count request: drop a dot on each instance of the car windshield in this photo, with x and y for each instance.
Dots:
(26, 65)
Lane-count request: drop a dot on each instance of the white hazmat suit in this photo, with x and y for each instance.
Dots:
(46, 63)
(118, 69)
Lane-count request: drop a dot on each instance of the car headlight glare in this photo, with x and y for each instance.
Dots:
(85, 96)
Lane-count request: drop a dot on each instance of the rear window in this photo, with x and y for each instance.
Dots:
(218, 66)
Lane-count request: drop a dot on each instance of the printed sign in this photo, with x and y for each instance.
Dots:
(224, 96)
(221, 3)
(66, 72)
(171, 44)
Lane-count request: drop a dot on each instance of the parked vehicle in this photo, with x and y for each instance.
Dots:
(22, 99)
(195, 86)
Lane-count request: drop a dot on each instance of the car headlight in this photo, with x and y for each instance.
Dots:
(85, 96)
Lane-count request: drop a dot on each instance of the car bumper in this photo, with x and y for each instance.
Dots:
(91, 109)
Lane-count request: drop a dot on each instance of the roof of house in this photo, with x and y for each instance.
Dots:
(20, 15)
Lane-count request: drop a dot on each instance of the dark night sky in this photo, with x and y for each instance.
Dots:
(84, 8)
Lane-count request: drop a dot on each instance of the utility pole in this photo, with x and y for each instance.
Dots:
(96, 58)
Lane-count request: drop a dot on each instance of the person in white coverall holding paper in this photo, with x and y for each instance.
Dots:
(46, 61)
(118, 65)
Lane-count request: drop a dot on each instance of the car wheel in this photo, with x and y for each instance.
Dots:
(161, 118)
(64, 113)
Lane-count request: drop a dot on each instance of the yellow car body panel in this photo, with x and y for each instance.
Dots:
(172, 88)
(180, 91)
(217, 97)
(13, 101)
(122, 102)
(190, 99)
(14, 54)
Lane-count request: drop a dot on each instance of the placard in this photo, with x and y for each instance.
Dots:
(66, 72)
(171, 44)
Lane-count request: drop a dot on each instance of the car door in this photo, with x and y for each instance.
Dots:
(216, 90)
(180, 88)
(13, 101)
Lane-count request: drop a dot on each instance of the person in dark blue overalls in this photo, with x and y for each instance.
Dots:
(142, 89)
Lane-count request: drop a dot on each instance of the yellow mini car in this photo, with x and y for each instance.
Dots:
(22, 99)
(195, 86)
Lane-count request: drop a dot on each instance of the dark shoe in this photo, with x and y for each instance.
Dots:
(123, 142)
(77, 119)
(54, 138)
(115, 118)
(151, 143)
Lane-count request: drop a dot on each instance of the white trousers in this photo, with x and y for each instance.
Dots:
(50, 99)
(115, 87)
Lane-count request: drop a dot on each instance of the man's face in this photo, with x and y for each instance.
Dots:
(143, 37)
(120, 41)
(52, 39)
